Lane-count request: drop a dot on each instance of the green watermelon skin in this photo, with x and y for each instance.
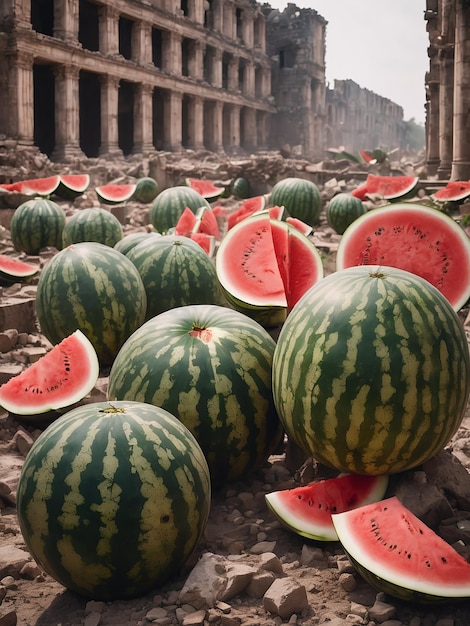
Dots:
(36, 224)
(95, 288)
(300, 197)
(342, 210)
(146, 190)
(112, 500)
(371, 372)
(128, 242)
(169, 205)
(92, 224)
(211, 367)
(175, 272)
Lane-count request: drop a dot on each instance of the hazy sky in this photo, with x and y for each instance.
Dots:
(379, 44)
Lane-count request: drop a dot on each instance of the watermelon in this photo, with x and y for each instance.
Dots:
(146, 190)
(307, 510)
(115, 194)
(113, 499)
(415, 238)
(63, 376)
(207, 242)
(37, 223)
(72, 185)
(205, 188)
(398, 554)
(175, 272)
(186, 223)
(248, 207)
(342, 210)
(92, 224)
(169, 205)
(454, 191)
(211, 367)
(12, 269)
(126, 244)
(366, 156)
(300, 197)
(241, 187)
(206, 222)
(304, 228)
(95, 288)
(40, 186)
(265, 265)
(371, 373)
(387, 187)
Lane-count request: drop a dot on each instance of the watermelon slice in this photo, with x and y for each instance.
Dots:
(115, 194)
(265, 266)
(415, 238)
(207, 242)
(63, 376)
(186, 223)
(388, 187)
(40, 186)
(454, 191)
(206, 222)
(367, 157)
(307, 510)
(205, 188)
(248, 207)
(72, 185)
(398, 554)
(11, 187)
(12, 269)
(304, 228)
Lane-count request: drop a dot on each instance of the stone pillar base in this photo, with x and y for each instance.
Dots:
(66, 153)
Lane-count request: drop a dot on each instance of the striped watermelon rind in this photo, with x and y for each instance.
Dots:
(169, 205)
(113, 499)
(92, 224)
(95, 288)
(300, 197)
(211, 367)
(37, 223)
(371, 373)
(146, 189)
(342, 210)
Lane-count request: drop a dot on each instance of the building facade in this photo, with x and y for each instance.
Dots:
(108, 78)
(448, 89)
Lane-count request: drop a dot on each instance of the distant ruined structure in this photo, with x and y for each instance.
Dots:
(110, 78)
(448, 89)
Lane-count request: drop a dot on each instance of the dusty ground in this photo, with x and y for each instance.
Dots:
(241, 529)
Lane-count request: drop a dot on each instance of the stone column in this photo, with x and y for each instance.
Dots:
(109, 116)
(109, 30)
(432, 118)
(195, 122)
(66, 20)
(248, 29)
(233, 74)
(446, 111)
(461, 159)
(142, 43)
(260, 33)
(67, 114)
(23, 13)
(216, 78)
(196, 62)
(171, 49)
(213, 125)
(218, 17)
(172, 123)
(249, 139)
(229, 26)
(249, 79)
(143, 119)
(22, 104)
(234, 127)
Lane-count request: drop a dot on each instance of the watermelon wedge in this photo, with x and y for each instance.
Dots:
(397, 553)
(248, 207)
(307, 510)
(454, 191)
(207, 242)
(40, 186)
(387, 187)
(415, 238)
(12, 269)
(115, 194)
(186, 223)
(206, 188)
(63, 376)
(304, 228)
(72, 185)
(265, 265)
(206, 222)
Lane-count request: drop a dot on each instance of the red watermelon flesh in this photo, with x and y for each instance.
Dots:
(248, 207)
(63, 376)
(206, 222)
(186, 223)
(40, 186)
(305, 266)
(307, 510)
(304, 228)
(207, 242)
(114, 194)
(397, 553)
(411, 237)
(72, 185)
(11, 187)
(205, 188)
(454, 190)
(388, 187)
(15, 268)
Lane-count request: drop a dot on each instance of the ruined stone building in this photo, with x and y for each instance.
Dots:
(119, 77)
(448, 89)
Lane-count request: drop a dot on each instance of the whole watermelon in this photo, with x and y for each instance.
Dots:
(300, 197)
(211, 367)
(342, 210)
(113, 499)
(146, 189)
(175, 272)
(36, 224)
(95, 288)
(371, 372)
(169, 205)
(92, 224)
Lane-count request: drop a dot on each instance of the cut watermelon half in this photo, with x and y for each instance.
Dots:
(415, 238)
(62, 377)
(206, 188)
(266, 265)
(387, 187)
(40, 186)
(248, 207)
(398, 554)
(115, 194)
(12, 269)
(454, 191)
(307, 510)
(72, 185)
